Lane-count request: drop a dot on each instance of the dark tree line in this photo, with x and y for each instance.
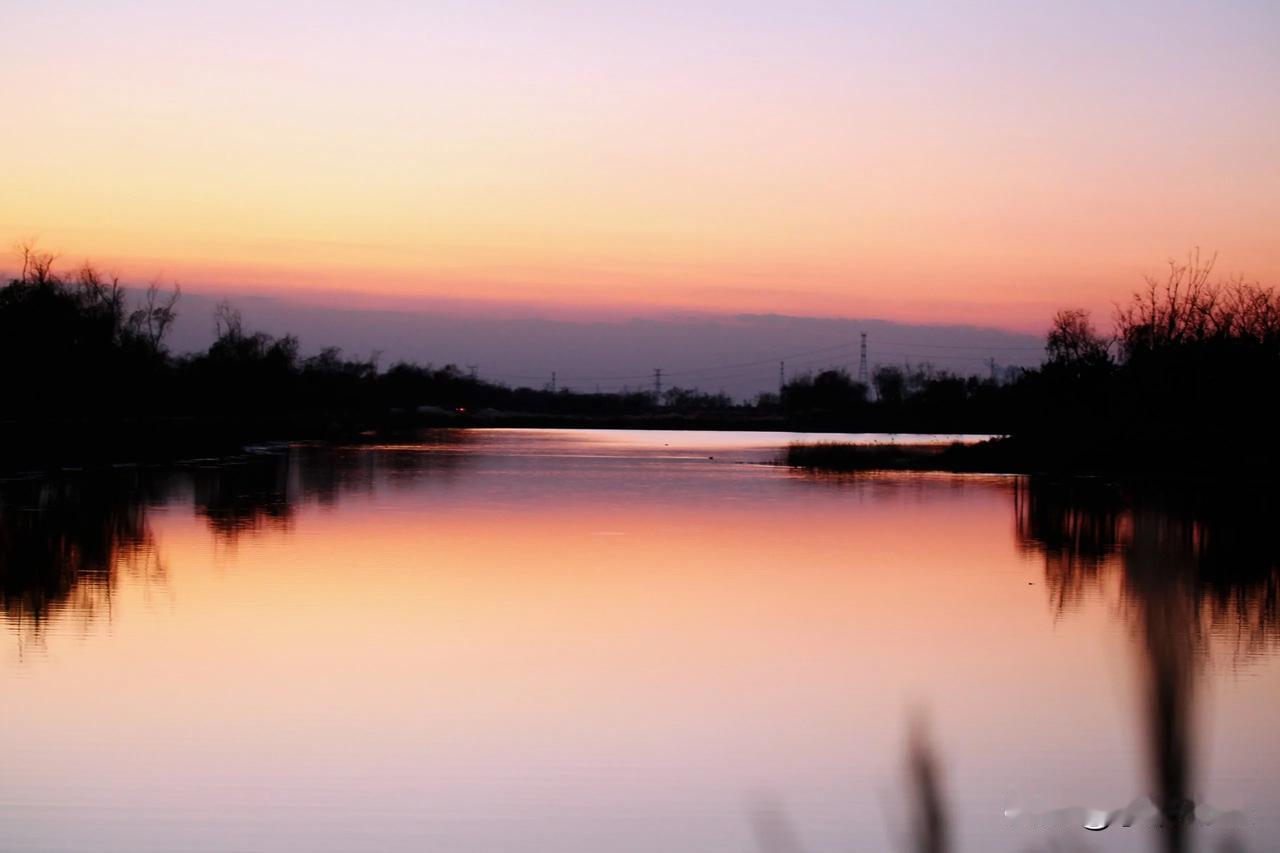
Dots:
(1191, 369)
(1187, 380)
(1185, 383)
(900, 399)
(73, 347)
(74, 342)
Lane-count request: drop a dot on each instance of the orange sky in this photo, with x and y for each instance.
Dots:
(917, 163)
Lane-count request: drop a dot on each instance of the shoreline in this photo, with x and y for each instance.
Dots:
(31, 447)
(1013, 455)
(95, 442)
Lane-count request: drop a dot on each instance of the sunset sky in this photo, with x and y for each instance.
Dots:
(921, 161)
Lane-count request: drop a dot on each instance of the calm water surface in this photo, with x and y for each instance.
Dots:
(549, 641)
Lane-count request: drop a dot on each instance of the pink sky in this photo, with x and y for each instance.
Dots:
(917, 163)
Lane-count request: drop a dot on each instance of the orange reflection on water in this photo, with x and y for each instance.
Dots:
(586, 645)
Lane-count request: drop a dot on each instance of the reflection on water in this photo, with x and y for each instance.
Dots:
(263, 491)
(929, 823)
(524, 640)
(62, 545)
(63, 541)
(1216, 548)
(1192, 566)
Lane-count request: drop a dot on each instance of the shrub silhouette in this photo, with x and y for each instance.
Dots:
(1185, 381)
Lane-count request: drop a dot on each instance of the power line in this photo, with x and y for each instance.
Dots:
(918, 356)
(711, 373)
(983, 347)
(687, 372)
(785, 356)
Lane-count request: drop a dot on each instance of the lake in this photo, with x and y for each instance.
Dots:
(571, 641)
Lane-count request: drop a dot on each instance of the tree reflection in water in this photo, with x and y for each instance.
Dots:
(1197, 573)
(1195, 568)
(65, 539)
(63, 542)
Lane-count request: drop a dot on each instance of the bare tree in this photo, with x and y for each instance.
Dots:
(1072, 339)
(97, 290)
(1180, 310)
(227, 322)
(23, 249)
(1187, 308)
(152, 321)
(37, 266)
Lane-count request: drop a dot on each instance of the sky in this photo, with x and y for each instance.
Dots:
(740, 355)
(920, 161)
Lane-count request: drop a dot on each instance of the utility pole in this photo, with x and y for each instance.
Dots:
(991, 362)
(864, 375)
(553, 382)
(782, 376)
(474, 369)
(657, 385)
